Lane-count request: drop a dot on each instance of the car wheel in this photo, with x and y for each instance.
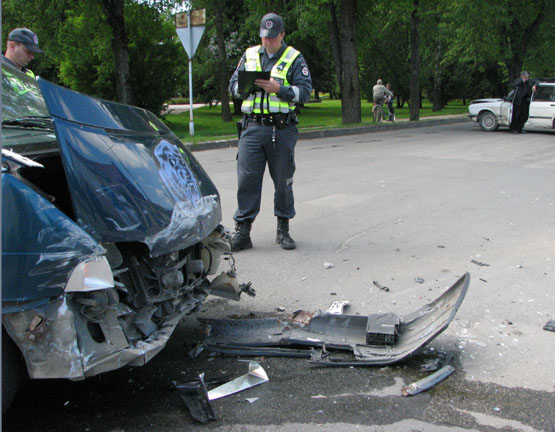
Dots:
(488, 122)
(11, 371)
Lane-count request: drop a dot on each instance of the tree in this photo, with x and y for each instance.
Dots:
(414, 63)
(509, 32)
(223, 76)
(342, 26)
(114, 12)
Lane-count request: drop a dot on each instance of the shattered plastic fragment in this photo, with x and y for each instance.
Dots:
(428, 382)
(338, 306)
(302, 317)
(419, 280)
(196, 400)
(478, 263)
(256, 375)
(328, 265)
(380, 286)
(196, 350)
(251, 400)
(550, 326)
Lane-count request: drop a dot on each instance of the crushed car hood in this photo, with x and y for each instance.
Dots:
(130, 178)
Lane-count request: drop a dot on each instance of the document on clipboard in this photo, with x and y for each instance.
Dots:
(245, 84)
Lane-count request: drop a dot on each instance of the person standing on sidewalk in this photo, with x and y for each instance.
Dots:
(21, 48)
(269, 131)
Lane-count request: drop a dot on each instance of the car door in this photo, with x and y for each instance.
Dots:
(506, 110)
(542, 107)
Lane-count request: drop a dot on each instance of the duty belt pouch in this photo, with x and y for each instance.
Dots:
(280, 120)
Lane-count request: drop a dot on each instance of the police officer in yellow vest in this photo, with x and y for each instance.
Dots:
(21, 48)
(269, 131)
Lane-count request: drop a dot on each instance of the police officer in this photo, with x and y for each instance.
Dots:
(21, 48)
(269, 131)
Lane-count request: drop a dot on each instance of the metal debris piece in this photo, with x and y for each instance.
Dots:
(256, 375)
(550, 326)
(419, 280)
(251, 400)
(338, 306)
(380, 286)
(195, 397)
(428, 382)
(478, 263)
(328, 265)
(344, 335)
(196, 350)
(442, 359)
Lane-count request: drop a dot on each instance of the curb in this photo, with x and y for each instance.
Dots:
(329, 133)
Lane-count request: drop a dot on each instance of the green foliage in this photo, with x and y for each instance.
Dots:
(78, 51)
(323, 115)
(468, 48)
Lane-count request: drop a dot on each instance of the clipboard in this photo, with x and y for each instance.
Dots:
(246, 84)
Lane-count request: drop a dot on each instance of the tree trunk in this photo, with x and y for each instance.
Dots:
(437, 103)
(113, 10)
(345, 59)
(333, 30)
(519, 41)
(222, 57)
(414, 64)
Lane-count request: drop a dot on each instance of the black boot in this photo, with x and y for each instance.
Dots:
(242, 237)
(283, 238)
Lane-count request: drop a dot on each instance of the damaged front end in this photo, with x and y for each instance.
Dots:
(111, 232)
(108, 318)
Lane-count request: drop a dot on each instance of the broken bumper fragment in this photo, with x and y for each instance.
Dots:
(337, 339)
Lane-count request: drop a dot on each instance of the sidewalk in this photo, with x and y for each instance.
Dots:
(326, 133)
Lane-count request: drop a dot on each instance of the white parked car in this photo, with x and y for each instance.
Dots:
(492, 113)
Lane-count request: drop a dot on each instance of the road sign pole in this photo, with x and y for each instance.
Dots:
(190, 27)
(191, 122)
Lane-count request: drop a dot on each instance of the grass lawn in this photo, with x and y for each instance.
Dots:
(323, 115)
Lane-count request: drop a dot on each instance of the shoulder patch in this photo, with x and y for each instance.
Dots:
(305, 71)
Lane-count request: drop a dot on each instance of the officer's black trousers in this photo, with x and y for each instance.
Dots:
(256, 149)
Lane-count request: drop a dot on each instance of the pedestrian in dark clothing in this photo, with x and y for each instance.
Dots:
(524, 87)
(269, 131)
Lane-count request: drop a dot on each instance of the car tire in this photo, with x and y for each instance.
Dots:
(488, 122)
(11, 371)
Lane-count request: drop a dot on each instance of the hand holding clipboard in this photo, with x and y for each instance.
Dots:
(245, 83)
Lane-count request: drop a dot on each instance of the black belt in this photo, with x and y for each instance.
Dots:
(279, 119)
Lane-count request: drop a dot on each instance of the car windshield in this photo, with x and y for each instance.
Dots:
(21, 98)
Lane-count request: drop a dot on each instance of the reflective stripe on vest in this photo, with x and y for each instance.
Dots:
(30, 73)
(252, 104)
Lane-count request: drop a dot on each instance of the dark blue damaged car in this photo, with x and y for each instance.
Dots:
(110, 234)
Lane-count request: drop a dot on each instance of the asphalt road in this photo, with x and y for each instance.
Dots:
(412, 209)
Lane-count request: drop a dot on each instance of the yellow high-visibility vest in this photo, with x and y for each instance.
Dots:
(255, 103)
